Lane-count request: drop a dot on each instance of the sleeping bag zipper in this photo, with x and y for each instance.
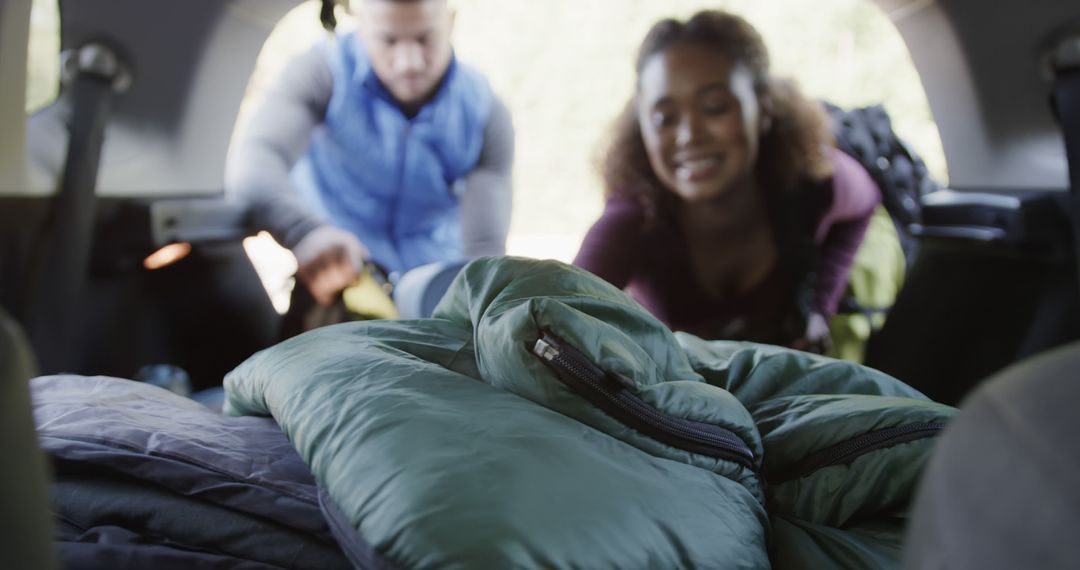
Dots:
(848, 450)
(615, 396)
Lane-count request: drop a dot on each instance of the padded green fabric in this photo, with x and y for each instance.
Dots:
(446, 443)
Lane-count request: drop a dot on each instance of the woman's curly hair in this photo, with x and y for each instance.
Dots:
(791, 151)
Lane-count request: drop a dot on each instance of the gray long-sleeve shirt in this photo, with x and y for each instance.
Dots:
(278, 134)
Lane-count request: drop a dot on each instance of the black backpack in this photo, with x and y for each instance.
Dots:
(866, 135)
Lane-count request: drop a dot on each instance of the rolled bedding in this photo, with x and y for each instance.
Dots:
(144, 478)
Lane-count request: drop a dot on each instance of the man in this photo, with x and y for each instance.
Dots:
(378, 146)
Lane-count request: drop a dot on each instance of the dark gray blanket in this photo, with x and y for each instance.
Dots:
(144, 475)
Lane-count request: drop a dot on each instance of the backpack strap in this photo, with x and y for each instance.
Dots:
(795, 216)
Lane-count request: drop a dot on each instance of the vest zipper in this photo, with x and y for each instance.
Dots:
(848, 450)
(614, 395)
(395, 198)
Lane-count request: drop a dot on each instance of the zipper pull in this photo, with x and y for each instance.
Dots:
(545, 350)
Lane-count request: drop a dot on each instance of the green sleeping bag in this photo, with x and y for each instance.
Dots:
(542, 419)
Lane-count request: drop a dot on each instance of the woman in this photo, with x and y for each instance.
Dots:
(730, 214)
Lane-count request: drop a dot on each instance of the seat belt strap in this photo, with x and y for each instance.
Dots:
(92, 74)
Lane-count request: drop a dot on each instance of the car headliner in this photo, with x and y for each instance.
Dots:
(980, 64)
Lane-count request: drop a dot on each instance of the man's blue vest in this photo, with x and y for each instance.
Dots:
(392, 180)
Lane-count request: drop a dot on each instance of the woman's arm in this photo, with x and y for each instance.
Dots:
(841, 230)
(609, 248)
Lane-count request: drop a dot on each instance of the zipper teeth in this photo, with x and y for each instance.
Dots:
(587, 373)
(704, 437)
(846, 451)
(643, 412)
(648, 415)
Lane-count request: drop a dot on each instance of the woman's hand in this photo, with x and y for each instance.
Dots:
(816, 338)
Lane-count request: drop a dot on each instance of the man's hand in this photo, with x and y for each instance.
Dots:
(329, 260)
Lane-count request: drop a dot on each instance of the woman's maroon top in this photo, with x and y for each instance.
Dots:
(653, 263)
